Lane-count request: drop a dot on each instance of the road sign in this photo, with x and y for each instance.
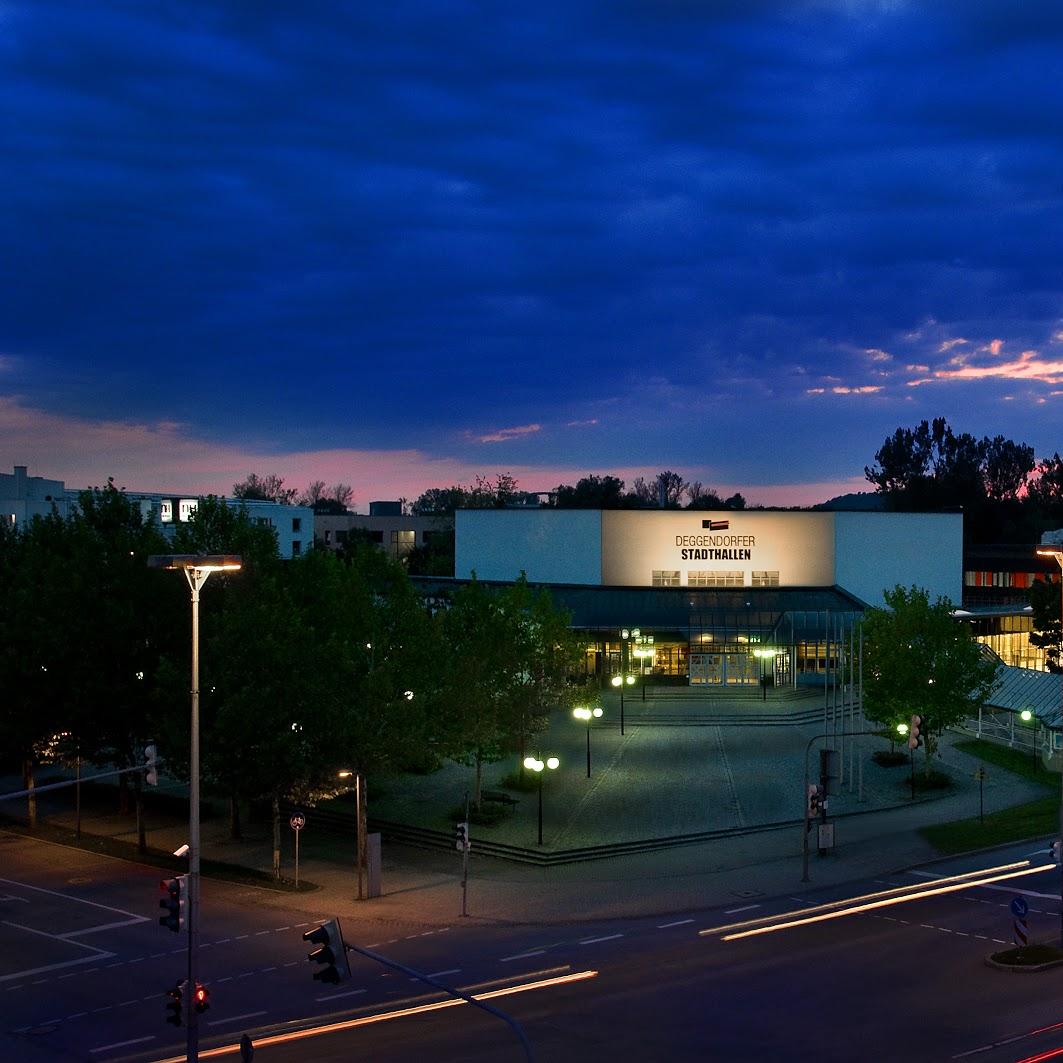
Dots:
(298, 821)
(1019, 907)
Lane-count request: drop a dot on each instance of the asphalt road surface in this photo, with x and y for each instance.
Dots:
(84, 968)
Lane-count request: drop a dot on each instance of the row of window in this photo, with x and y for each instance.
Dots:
(670, 577)
(1001, 579)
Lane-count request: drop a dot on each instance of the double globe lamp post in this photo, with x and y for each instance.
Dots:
(587, 715)
(537, 765)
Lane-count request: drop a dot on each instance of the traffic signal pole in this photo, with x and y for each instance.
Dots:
(823, 795)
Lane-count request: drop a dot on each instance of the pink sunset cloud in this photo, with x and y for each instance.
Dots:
(167, 456)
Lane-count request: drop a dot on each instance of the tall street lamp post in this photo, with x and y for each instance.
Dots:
(197, 570)
(536, 765)
(587, 715)
(1057, 553)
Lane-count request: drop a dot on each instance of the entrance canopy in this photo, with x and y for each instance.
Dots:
(795, 613)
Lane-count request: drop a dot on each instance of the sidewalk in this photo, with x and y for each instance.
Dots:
(734, 775)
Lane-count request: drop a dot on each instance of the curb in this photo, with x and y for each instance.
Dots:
(1016, 968)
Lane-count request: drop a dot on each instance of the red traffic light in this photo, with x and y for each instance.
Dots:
(201, 998)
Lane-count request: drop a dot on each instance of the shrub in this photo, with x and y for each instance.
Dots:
(889, 758)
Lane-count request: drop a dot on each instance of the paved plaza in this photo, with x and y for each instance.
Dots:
(719, 767)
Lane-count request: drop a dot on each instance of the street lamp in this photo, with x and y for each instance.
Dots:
(536, 765)
(622, 681)
(197, 569)
(902, 730)
(643, 649)
(587, 715)
(1027, 717)
(762, 653)
(1057, 553)
(360, 823)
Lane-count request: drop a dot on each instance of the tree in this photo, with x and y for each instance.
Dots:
(700, 497)
(313, 494)
(265, 489)
(591, 492)
(919, 661)
(80, 632)
(435, 557)
(35, 647)
(509, 659)
(1046, 489)
(476, 680)
(334, 501)
(1007, 468)
(543, 654)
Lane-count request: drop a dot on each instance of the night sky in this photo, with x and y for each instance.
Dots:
(400, 244)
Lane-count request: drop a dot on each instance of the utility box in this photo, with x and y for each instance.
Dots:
(372, 859)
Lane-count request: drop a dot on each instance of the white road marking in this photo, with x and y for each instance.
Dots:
(744, 908)
(123, 1044)
(237, 1018)
(102, 926)
(594, 941)
(133, 917)
(97, 954)
(678, 922)
(336, 996)
(522, 955)
(439, 974)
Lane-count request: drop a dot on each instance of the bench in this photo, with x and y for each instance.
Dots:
(499, 798)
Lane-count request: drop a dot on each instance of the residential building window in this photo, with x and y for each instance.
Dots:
(328, 536)
(297, 524)
(666, 577)
(341, 535)
(403, 541)
(297, 548)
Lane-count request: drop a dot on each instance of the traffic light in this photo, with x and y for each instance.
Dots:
(1055, 851)
(915, 739)
(173, 902)
(461, 836)
(151, 774)
(331, 952)
(174, 1004)
(201, 998)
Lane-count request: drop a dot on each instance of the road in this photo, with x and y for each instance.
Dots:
(84, 967)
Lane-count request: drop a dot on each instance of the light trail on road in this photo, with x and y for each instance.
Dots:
(387, 1016)
(883, 902)
(893, 892)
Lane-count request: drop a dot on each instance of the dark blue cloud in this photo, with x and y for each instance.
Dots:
(400, 224)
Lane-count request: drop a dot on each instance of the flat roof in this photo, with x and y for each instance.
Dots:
(686, 609)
